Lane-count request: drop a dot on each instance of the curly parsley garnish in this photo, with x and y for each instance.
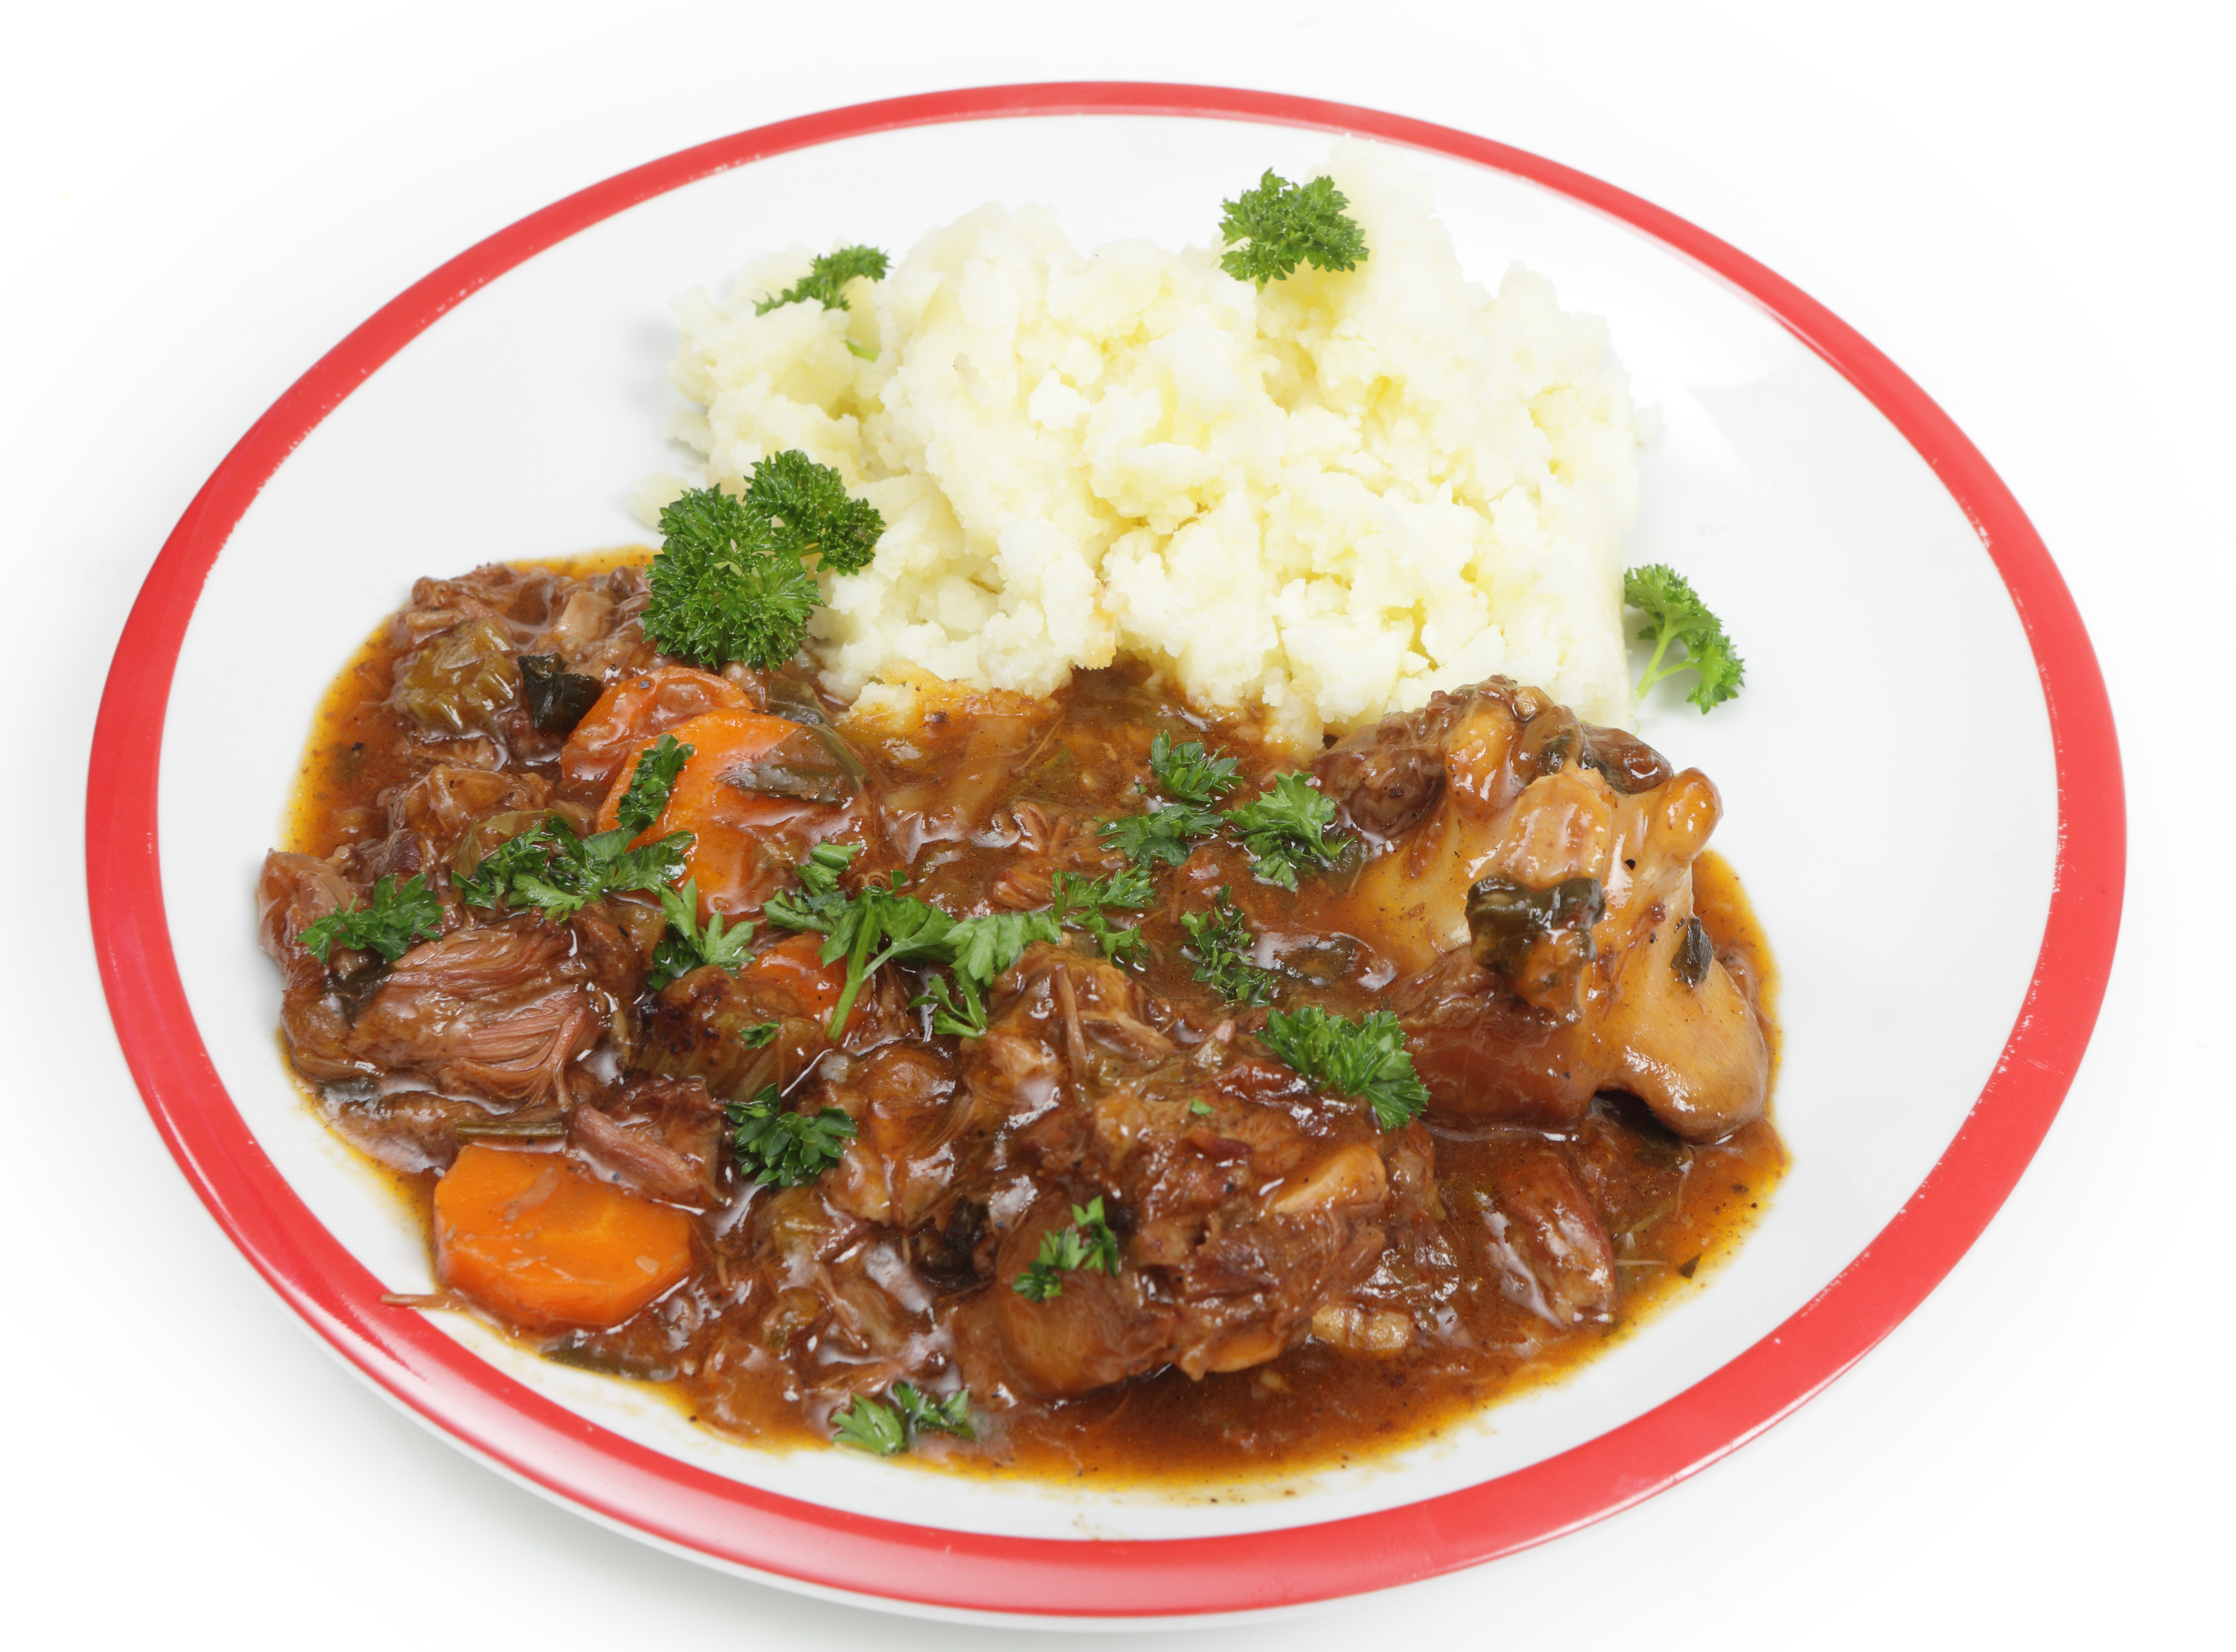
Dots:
(391, 923)
(826, 278)
(1163, 837)
(1221, 950)
(1272, 229)
(1365, 1059)
(1088, 1242)
(811, 513)
(550, 870)
(885, 1430)
(1675, 615)
(1285, 828)
(731, 581)
(1187, 774)
(783, 1149)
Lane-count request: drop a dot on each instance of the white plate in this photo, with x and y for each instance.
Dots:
(1901, 853)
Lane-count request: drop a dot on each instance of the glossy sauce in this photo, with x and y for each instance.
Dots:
(1312, 1407)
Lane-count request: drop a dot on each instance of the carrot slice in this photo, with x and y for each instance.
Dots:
(739, 855)
(635, 712)
(791, 975)
(539, 1241)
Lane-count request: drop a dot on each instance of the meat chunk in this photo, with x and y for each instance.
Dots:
(661, 1136)
(1532, 876)
(1535, 1228)
(1247, 1201)
(503, 1010)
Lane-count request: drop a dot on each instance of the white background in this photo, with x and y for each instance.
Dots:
(2027, 207)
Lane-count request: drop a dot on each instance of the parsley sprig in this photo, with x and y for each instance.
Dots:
(1365, 1059)
(1284, 827)
(1676, 616)
(1088, 1242)
(1222, 948)
(1086, 902)
(732, 581)
(781, 1149)
(395, 919)
(688, 944)
(550, 870)
(1187, 774)
(1166, 834)
(1272, 229)
(826, 278)
(884, 1430)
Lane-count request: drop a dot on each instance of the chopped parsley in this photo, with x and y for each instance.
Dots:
(783, 1149)
(826, 278)
(688, 944)
(646, 800)
(1284, 827)
(732, 580)
(869, 1425)
(1272, 229)
(1186, 774)
(1163, 837)
(1674, 617)
(1221, 949)
(981, 951)
(1084, 904)
(549, 869)
(885, 1430)
(394, 920)
(1088, 1242)
(1366, 1059)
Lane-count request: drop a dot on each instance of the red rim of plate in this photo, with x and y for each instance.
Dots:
(687, 1508)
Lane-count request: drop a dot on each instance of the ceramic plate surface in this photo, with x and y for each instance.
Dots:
(1921, 784)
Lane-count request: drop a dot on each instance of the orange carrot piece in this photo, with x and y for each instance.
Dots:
(731, 829)
(543, 1244)
(792, 973)
(634, 713)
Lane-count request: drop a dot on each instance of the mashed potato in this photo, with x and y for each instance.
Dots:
(1311, 505)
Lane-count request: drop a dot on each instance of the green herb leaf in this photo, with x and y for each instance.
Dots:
(826, 278)
(557, 873)
(925, 1415)
(1080, 903)
(1088, 1242)
(984, 948)
(391, 923)
(957, 1010)
(1283, 828)
(869, 1425)
(689, 945)
(1676, 617)
(811, 513)
(721, 590)
(646, 800)
(1222, 949)
(785, 1149)
(1185, 775)
(1366, 1059)
(1163, 837)
(1272, 229)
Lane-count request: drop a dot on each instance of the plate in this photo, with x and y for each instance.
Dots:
(1922, 785)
